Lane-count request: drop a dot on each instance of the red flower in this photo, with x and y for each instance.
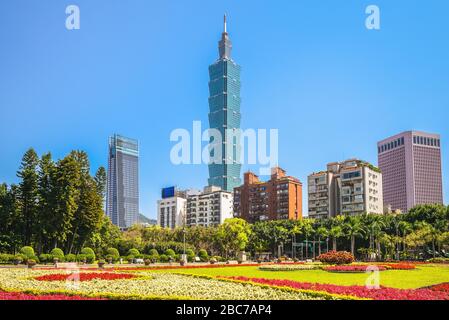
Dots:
(383, 293)
(25, 296)
(443, 287)
(399, 266)
(86, 276)
(352, 268)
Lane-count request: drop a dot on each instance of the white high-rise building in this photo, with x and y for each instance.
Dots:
(351, 187)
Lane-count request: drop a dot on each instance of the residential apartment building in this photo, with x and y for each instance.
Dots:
(411, 167)
(351, 187)
(122, 199)
(209, 208)
(172, 208)
(276, 199)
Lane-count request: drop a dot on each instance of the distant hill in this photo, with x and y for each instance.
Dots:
(143, 219)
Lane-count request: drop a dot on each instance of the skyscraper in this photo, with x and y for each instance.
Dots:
(411, 166)
(122, 200)
(224, 114)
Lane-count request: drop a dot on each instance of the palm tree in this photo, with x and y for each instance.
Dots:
(307, 230)
(374, 224)
(294, 231)
(353, 228)
(335, 232)
(404, 229)
(322, 233)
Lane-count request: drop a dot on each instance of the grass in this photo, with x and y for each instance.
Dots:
(423, 275)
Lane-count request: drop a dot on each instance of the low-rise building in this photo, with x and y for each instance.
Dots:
(172, 208)
(351, 187)
(209, 208)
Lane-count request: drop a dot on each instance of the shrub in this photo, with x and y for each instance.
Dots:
(6, 258)
(89, 253)
(133, 252)
(18, 258)
(153, 252)
(45, 258)
(163, 258)
(57, 253)
(163, 246)
(190, 255)
(439, 260)
(31, 263)
(27, 251)
(101, 263)
(81, 257)
(170, 253)
(202, 254)
(336, 257)
(70, 257)
(113, 253)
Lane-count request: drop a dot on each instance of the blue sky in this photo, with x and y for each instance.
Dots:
(140, 68)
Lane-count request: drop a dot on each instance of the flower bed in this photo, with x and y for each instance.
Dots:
(26, 296)
(399, 266)
(383, 293)
(353, 268)
(278, 267)
(86, 276)
(443, 287)
(149, 286)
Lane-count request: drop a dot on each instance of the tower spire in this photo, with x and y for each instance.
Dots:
(224, 24)
(225, 45)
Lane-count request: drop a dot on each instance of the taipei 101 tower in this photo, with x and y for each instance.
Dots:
(224, 114)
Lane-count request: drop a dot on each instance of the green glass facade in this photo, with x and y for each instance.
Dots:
(224, 113)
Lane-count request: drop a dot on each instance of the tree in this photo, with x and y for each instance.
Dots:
(46, 206)
(322, 233)
(101, 180)
(233, 235)
(353, 228)
(67, 183)
(28, 198)
(307, 230)
(87, 217)
(335, 232)
(10, 227)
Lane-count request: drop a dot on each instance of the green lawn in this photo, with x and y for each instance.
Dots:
(423, 275)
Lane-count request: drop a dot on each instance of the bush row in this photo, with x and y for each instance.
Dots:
(111, 255)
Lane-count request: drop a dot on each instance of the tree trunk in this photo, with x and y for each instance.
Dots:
(334, 244)
(352, 244)
(319, 245)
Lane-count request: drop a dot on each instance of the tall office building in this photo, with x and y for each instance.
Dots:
(411, 167)
(280, 198)
(224, 114)
(351, 187)
(122, 200)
